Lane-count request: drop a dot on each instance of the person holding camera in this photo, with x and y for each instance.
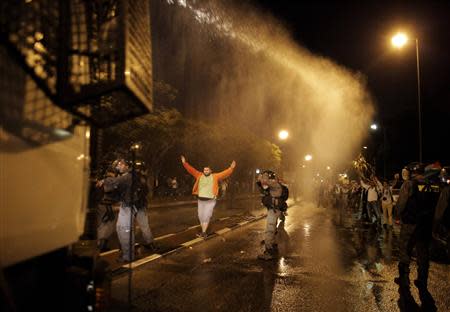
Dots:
(274, 197)
(107, 215)
(131, 207)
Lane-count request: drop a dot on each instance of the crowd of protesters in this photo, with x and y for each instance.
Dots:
(371, 200)
(418, 202)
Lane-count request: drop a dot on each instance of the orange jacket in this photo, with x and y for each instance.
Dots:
(216, 177)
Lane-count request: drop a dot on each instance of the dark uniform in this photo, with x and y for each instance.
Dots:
(107, 216)
(416, 203)
(274, 197)
(416, 220)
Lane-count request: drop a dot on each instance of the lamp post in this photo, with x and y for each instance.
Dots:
(398, 41)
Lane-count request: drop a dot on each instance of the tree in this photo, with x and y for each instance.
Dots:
(156, 133)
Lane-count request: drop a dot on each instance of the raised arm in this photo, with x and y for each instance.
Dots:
(227, 172)
(364, 185)
(194, 172)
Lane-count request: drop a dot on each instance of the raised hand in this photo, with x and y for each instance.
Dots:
(183, 159)
(233, 164)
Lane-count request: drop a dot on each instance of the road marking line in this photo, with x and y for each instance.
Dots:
(173, 251)
(164, 236)
(113, 251)
(109, 252)
(142, 261)
(153, 257)
(192, 242)
(223, 231)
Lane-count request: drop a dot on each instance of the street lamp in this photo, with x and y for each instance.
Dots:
(399, 40)
(283, 134)
(374, 126)
(308, 157)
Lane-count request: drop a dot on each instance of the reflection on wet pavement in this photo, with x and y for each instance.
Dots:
(325, 263)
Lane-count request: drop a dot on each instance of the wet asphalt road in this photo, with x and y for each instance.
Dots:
(326, 262)
(165, 220)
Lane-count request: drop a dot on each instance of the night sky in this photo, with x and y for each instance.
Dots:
(357, 36)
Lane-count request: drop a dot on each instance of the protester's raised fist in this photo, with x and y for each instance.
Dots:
(183, 160)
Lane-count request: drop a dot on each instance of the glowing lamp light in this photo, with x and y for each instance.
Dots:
(373, 126)
(308, 157)
(283, 135)
(135, 147)
(258, 171)
(399, 40)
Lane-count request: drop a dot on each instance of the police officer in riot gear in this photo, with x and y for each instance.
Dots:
(274, 196)
(415, 209)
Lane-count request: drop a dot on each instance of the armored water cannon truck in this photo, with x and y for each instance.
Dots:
(67, 70)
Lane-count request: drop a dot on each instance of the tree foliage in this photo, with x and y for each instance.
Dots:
(156, 133)
(217, 145)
